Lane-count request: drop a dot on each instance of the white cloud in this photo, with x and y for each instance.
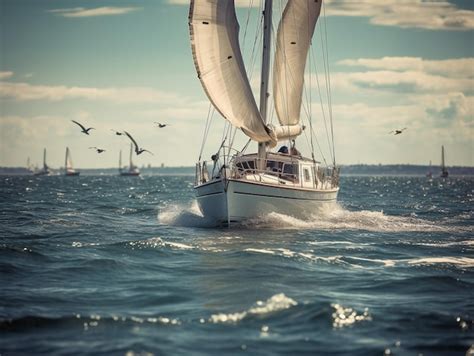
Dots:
(409, 82)
(459, 68)
(426, 14)
(409, 75)
(98, 11)
(4, 75)
(238, 3)
(25, 92)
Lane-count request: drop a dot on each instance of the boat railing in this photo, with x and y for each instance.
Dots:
(280, 172)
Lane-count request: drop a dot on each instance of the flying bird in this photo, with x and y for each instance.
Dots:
(118, 133)
(160, 125)
(397, 132)
(137, 149)
(99, 150)
(84, 130)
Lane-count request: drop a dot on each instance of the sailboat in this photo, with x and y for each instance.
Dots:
(242, 186)
(429, 174)
(70, 171)
(444, 171)
(132, 169)
(29, 169)
(45, 170)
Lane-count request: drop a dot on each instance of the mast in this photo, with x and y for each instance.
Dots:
(267, 32)
(44, 160)
(65, 160)
(131, 163)
(442, 159)
(120, 161)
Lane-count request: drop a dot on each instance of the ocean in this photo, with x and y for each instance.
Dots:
(109, 265)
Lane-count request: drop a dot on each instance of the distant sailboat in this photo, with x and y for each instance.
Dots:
(444, 171)
(132, 169)
(28, 166)
(45, 170)
(68, 165)
(244, 186)
(429, 174)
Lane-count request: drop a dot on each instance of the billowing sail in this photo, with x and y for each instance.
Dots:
(68, 163)
(214, 34)
(293, 40)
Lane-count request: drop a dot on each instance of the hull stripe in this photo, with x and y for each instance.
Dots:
(276, 196)
(206, 195)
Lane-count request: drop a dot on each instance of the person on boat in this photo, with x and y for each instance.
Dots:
(283, 149)
(293, 150)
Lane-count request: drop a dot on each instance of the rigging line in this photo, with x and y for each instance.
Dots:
(327, 86)
(329, 83)
(322, 105)
(206, 130)
(247, 24)
(245, 146)
(310, 107)
(319, 146)
(253, 56)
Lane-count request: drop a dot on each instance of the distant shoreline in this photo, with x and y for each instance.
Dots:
(346, 170)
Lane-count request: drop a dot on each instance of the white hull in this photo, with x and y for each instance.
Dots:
(234, 200)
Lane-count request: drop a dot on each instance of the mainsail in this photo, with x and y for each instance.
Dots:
(68, 163)
(293, 40)
(216, 51)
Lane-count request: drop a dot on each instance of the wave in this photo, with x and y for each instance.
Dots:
(87, 322)
(275, 303)
(184, 216)
(345, 316)
(333, 217)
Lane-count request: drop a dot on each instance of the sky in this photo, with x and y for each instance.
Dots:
(125, 64)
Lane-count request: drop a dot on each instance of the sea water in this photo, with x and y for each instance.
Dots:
(124, 265)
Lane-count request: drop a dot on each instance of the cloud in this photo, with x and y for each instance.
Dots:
(408, 75)
(401, 82)
(98, 11)
(459, 68)
(4, 75)
(25, 92)
(426, 14)
(238, 3)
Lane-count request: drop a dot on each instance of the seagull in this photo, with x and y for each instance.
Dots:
(397, 132)
(160, 125)
(118, 133)
(137, 149)
(84, 130)
(99, 150)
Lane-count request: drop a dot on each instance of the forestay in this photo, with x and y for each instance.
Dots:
(293, 40)
(216, 51)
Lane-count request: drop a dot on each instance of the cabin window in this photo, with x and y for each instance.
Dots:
(290, 171)
(274, 166)
(246, 165)
(307, 178)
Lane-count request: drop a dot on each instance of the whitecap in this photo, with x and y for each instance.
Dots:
(458, 261)
(276, 303)
(184, 215)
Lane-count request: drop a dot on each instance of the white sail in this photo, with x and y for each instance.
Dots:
(293, 40)
(68, 163)
(216, 51)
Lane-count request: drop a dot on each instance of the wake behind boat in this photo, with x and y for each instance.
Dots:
(243, 186)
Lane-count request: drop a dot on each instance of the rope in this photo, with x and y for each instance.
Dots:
(329, 85)
(206, 128)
